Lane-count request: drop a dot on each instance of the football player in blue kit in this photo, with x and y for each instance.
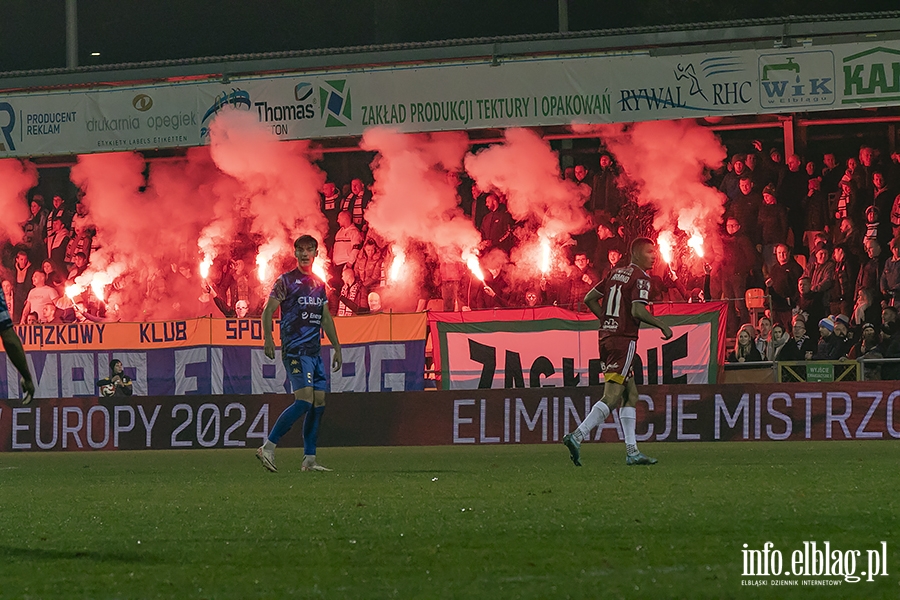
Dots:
(304, 314)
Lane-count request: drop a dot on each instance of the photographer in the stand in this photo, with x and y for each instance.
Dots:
(118, 383)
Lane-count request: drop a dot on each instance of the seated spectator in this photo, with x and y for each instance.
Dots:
(799, 347)
(843, 334)
(779, 337)
(868, 347)
(744, 347)
(764, 335)
(32, 318)
(830, 345)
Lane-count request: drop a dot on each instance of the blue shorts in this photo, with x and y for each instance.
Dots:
(305, 371)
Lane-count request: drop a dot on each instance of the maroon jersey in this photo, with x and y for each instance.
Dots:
(620, 288)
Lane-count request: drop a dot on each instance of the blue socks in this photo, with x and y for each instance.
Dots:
(311, 430)
(287, 419)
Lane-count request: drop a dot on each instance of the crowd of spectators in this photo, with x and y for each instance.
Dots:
(819, 237)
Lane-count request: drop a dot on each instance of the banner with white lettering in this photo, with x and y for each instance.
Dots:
(216, 370)
(552, 347)
(486, 93)
(865, 410)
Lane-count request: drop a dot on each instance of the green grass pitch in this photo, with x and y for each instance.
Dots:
(439, 522)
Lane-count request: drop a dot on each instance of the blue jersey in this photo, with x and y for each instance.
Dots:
(5, 319)
(302, 299)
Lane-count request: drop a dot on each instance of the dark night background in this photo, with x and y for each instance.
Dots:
(32, 32)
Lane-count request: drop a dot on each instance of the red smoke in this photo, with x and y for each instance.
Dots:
(16, 178)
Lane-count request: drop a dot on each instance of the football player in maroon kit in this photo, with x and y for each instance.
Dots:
(620, 302)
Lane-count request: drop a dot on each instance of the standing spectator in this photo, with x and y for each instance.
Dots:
(583, 277)
(58, 213)
(773, 226)
(866, 310)
(791, 192)
(57, 244)
(744, 208)
(331, 206)
(477, 208)
(369, 265)
(745, 349)
(782, 285)
(810, 305)
(870, 271)
(496, 228)
(22, 283)
(452, 273)
(895, 217)
(862, 175)
(356, 203)
(54, 278)
(40, 294)
(82, 241)
(739, 259)
(347, 243)
(822, 276)
(846, 204)
(850, 237)
(730, 185)
(845, 273)
(883, 202)
(605, 195)
(815, 209)
(352, 294)
(79, 266)
(35, 229)
(831, 173)
(890, 275)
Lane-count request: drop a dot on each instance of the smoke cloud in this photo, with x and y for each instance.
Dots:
(246, 193)
(16, 178)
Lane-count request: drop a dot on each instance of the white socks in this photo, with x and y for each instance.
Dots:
(269, 445)
(599, 413)
(628, 417)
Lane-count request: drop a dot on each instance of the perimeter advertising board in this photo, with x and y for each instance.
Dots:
(868, 410)
(509, 92)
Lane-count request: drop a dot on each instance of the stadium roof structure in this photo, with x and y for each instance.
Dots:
(776, 32)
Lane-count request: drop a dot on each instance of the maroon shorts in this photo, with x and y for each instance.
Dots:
(616, 356)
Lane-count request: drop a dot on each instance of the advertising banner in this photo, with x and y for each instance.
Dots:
(384, 352)
(510, 92)
(552, 347)
(868, 410)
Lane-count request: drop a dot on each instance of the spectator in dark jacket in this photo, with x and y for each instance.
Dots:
(829, 347)
(739, 259)
(815, 209)
(799, 347)
(870, 272)
(773, 226)
(890, 275)
(845, 272)
(782, 285)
